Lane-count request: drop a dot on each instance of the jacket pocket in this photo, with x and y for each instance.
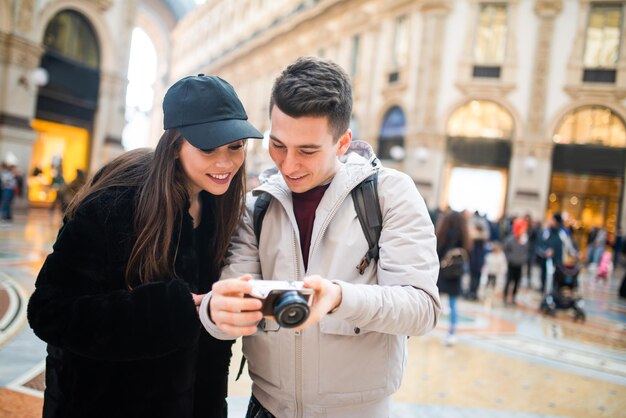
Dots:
(262, 352)
(351, 359)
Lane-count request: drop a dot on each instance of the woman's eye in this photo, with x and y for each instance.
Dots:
(236, 147)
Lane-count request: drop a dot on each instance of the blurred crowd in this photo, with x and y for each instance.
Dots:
(502, 253)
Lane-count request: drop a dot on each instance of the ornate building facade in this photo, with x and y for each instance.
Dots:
(63, 82)
(62, 86)
(530, 94)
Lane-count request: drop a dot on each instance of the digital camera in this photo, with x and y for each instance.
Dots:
(287, 302)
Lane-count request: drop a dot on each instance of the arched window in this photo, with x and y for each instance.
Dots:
(71, 35)
(481, 119)
(591, 125)
(391, 139)
(142, 73)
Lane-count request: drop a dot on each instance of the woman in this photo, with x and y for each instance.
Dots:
(116, 300)
(452, 233)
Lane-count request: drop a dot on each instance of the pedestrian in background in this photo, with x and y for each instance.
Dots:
(8, 184)
(495, 266)
(516, 252)
(452, 232)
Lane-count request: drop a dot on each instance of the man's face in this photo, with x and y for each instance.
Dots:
(304, 151)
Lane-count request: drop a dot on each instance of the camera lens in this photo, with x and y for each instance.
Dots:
(291, 309)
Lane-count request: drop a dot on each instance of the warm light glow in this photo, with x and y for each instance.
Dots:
(479, 190)
(481, 119)
(591, 125)
(55, 140)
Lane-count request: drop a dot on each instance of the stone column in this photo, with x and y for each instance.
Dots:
(425, 158)
(532, 156)
(109, 120)
(18, 58)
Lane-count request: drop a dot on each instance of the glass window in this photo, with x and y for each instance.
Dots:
(603, 36)
(142, 74)
(400, 42)
(481, 119)
(70, 34)
(592, 125)
(391, 139)
(490, 44)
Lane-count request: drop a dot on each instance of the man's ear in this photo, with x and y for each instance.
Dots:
(344, 142)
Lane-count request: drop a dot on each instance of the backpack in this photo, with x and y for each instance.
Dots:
(365, 197)
(452, 265)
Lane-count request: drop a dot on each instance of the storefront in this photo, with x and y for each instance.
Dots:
(588, 165)
(66, 106)
(477, 159)
(58, 152)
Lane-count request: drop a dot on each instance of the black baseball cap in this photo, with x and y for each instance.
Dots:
(207, 111)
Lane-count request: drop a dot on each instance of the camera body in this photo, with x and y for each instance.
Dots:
(286, 301)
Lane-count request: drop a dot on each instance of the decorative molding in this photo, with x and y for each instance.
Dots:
(527, 194)
(548, 8)
(547, 11)
(541, 150)
(112, 85)
(19, 51)
(476, 88)
(601, 92)
(435, 6)
(436, 22)
(15, 121)
(104, 5)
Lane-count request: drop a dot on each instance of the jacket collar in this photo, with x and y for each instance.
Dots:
(356, 165)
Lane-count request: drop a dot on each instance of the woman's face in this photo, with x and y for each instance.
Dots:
(211, 170)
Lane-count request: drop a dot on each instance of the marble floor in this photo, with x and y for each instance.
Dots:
(508, 361)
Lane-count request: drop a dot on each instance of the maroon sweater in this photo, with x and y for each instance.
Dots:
(304, 206)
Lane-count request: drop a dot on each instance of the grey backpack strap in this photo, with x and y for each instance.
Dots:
(260, 207)
(365, 197)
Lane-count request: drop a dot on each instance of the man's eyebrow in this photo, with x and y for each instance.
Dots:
(307, 146)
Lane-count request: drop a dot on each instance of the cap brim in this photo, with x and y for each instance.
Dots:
(212, 135)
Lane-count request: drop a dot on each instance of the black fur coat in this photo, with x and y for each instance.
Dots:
(119, 353)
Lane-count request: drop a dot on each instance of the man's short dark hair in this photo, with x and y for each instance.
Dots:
(315, 87)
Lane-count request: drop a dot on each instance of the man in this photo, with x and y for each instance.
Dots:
(347, 359)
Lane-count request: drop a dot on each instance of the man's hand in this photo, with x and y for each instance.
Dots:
(327, 297)
(231, 311)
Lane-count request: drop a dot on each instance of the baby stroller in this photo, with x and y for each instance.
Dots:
(563, 293)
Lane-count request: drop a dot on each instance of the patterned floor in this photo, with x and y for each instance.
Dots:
(508, 362)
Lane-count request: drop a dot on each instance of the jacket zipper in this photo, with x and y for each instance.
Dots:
(299, 411)
(298, 340)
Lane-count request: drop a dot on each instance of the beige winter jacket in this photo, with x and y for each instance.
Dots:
(351, 363)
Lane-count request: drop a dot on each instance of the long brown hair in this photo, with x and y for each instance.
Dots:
(161, 199)
(452, 231)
